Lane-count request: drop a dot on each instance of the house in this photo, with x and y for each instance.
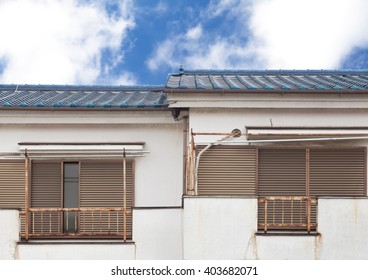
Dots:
(214, 165)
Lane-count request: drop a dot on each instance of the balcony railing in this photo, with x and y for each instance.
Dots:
(287, 213)
(76, 223)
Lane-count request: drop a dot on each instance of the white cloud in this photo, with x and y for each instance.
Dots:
(277, 34)
(194, 33)
(309, 33)
(60, 41)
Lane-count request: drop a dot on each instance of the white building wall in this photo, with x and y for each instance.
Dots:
(288, 247)
(157, 234)
(219, 228)
(225, 228)
(343, 224)
(39, 251)
(9, 233)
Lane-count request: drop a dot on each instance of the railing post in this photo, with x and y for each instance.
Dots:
(26, 167)
(75, 222)
(308, 214)
(265, 210)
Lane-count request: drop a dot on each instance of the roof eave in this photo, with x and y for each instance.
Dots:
(274, 91)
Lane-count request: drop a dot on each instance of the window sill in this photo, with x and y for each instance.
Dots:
(74, 241)
(287, 233)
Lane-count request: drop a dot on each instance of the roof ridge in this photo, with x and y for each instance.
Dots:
(269, 71)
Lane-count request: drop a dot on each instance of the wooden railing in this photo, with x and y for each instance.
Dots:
(77, 223)
(287, 213)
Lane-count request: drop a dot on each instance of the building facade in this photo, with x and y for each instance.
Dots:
(214, 165)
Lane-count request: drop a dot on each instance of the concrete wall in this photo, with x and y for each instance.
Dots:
(343, 224)
(46, 251)
(158, 233)
(224, 228)
(219, 228)
(9, 233)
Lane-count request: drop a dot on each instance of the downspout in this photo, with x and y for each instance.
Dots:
(185, 155)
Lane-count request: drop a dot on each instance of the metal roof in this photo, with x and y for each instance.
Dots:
(56, 96)
(269, 80)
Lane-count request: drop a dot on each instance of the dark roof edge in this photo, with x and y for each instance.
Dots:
(271, 72)
(22, 87)
(272, 91)
(135, 108)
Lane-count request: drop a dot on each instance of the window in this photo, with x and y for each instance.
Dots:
(294, 177)
(90, 194)
(71, 191)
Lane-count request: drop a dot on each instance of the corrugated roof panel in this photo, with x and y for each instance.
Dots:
(339, 81)
(218, 82)
(40, 96)
(278, 83)
(262, 82)
(233, 82)
(173, 81)
(187, 82)
(247, 81)
(290, 82)
(203, 82)
(272, 79)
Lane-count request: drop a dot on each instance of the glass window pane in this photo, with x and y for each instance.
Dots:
(71, 183)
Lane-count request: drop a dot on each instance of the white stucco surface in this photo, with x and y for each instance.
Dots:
(158, 233)
(343, 224)
(219, 228)
(39, 251)
(9, 233)
(286, 247)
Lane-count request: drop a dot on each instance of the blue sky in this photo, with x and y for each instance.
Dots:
(140, 42)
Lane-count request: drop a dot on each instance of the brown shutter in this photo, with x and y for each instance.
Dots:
(227, 170)
(338, 172)
(46, 192)
(12, 184)
(101, 185)
(281, 172)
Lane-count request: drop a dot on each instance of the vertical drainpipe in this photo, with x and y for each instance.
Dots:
(26, 167)
(185, 155)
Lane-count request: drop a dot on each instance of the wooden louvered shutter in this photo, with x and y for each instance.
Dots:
(338, 172)
(227, 170)
(46, 192)
(282, 172)
(101, 185)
